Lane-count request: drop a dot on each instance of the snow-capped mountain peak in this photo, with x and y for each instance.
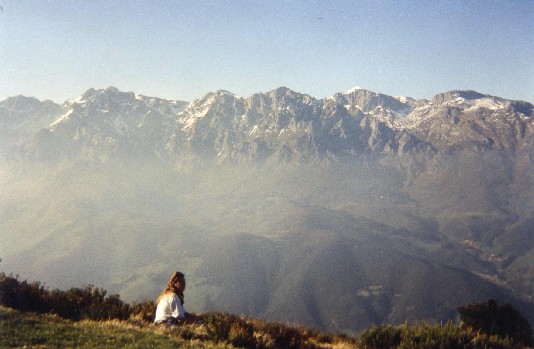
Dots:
(283, 121)
(354, 89)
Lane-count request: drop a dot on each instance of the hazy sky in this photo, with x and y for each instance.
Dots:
(184, 49)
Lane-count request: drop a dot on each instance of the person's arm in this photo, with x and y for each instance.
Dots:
(177, 311)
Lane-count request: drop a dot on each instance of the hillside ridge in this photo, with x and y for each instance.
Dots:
(32, 314)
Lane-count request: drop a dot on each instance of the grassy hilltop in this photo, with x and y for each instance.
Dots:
(23, 329)
(30, 329)
(33, 316)
(35, 330)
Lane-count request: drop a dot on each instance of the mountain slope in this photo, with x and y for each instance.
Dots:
(21, 118)
(337, 213)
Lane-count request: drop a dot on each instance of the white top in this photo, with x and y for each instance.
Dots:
(169, 306)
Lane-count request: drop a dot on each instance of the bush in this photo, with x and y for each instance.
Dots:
(494, 319)
(219, 326)
(242, 335)
(21, 295)
(424, 336)
(381, 337)
(76, 304)
(144, 311)
(253, 334)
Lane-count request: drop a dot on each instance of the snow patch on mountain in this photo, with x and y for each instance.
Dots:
(406, 100)
(63, 118)
(352, 90)
(488, 103)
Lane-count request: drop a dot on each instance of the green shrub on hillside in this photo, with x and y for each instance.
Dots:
(425, 336)
(486, 325)
(143, 311)
(76, 304)
(494, 319)
(246, 333)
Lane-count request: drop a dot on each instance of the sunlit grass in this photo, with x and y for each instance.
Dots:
(26, 329)
(44, 331)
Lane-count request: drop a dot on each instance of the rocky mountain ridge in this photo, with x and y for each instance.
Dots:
(280, 125)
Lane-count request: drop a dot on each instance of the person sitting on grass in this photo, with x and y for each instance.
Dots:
(170, 309)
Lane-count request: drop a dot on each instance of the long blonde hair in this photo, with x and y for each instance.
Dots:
(170, 288)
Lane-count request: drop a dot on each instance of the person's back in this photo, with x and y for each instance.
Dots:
(170, 304)
(169, 309)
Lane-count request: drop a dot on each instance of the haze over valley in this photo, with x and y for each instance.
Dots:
(336, 213)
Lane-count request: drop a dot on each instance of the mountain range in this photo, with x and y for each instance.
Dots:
(278, 125)
(340, 212)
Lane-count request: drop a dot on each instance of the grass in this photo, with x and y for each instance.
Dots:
(33, 330)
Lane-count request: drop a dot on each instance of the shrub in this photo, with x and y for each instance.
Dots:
(381, 337)
(253, 334)
(424, 336)
(144, 311)
(284, 336)
(218, 327)
(21, 295)
(494, 319)
(242, 335)
(76, 304)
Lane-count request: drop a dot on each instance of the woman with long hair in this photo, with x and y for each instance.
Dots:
(170, 304)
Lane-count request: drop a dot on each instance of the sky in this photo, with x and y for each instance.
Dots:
(184, 49)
